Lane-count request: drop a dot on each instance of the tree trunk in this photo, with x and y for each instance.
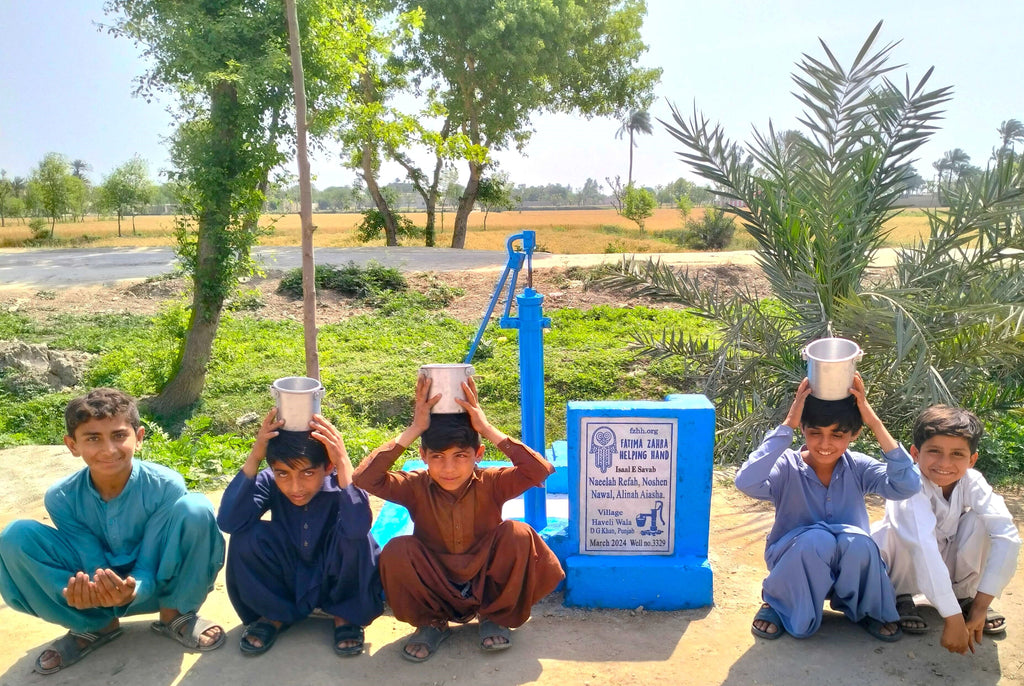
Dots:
(305, 199)
(209, 281)
(118, 223)
(431, 220)
(390, 225)
(466, 203)
(187, 385)
(629, 181)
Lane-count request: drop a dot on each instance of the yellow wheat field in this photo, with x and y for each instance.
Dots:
(558, 231)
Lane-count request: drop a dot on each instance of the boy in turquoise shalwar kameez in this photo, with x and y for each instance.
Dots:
(128, 539)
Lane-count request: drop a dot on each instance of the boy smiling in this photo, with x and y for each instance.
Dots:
(462, 560)
(151, 545)
(819, 547)
(955, 541)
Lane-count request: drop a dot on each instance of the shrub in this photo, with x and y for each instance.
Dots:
(353, 280)
(40, 229)
(638, 204)
(713, 231)
(372, 226)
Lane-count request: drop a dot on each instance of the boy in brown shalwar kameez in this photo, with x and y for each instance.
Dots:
(462, 560)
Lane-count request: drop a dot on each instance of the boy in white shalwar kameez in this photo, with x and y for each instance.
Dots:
(954, 542)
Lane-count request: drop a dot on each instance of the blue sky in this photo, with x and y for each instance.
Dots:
(66, 87)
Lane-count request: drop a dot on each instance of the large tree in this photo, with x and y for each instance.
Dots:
(492, 66)
(227, 63)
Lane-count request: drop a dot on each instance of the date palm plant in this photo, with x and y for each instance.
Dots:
(945, 325)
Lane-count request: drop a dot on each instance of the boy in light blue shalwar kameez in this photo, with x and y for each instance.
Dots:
(819, 547)
(127, 539)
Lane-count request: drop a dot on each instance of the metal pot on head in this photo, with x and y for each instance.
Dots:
(447, 379)
(297, 399)
(831, 363)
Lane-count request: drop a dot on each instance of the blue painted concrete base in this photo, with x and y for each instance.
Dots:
(629, 581)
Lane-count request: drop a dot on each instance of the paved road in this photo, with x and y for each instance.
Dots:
(90, 266)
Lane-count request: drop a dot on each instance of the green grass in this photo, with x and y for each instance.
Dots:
(368, 366)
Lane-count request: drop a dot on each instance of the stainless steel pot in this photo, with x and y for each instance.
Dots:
(447, 379)
(831, 363)
(297, 399)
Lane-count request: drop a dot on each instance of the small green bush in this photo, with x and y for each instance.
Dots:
(247, 300)
(39, 228)
(714, 231)
(372, 226)
(353, 280)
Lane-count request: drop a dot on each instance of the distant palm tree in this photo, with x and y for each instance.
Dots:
(1010, 131)
(636, 121)
(79, 167)
(959, 162)
(955, 164)
(18, 185)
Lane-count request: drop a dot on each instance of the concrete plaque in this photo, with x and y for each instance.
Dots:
(628, 485)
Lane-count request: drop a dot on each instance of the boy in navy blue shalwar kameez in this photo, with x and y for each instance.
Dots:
(819, 547)
(316, 552)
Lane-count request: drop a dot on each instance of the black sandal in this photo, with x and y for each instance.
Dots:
(349, 632)
(263, 630)
(907, 609)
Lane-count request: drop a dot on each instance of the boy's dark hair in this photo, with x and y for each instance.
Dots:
(101, 403)
(448, 430)
(944, 420)
(291, 447)
(820, 413)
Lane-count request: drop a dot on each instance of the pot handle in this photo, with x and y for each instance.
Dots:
(469, 370)
(803, 352)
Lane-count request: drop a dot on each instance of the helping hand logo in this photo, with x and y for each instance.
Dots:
(602, 447)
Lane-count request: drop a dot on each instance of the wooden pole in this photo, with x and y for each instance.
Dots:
(305, 197)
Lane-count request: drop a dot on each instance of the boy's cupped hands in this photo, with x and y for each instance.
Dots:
(105, 589)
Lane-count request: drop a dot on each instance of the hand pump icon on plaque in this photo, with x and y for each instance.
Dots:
(656, 513)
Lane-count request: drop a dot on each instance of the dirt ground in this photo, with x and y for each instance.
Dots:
(567, 286)
(559, 645)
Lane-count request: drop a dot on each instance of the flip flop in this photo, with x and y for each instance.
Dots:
(767, 613)
(70, 652)
(429, 636)
(492, 630)
(190, 637)
(349, 632)
(266, 633)
(907, 609)
(990, 616)
(874, 627)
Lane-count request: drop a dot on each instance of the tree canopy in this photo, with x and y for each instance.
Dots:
(227, 63)
(491, 66)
